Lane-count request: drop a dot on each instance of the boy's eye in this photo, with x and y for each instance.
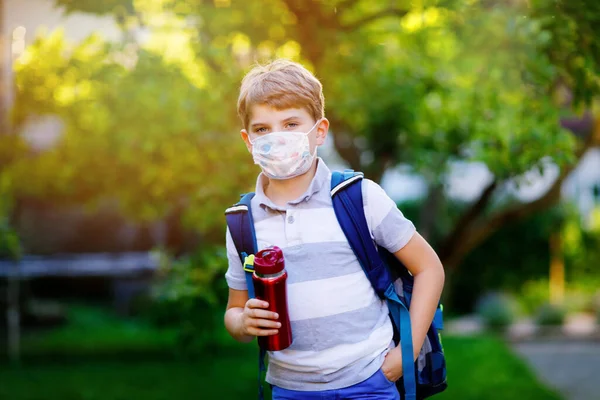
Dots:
(292, 125)
(260, 130)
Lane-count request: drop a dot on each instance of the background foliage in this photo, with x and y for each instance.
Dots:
(150, 123)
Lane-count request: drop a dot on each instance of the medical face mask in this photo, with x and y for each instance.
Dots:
(283, 155)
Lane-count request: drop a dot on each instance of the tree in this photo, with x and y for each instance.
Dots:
(425, 86)
(147, 136)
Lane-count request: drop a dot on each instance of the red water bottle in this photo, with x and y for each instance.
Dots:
(270, 285)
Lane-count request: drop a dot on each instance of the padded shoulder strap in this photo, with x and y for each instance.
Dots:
(346, 195)
(241, 228)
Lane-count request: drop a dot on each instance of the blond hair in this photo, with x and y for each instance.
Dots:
(281, 84)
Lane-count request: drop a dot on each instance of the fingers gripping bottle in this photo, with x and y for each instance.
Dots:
(270, 280)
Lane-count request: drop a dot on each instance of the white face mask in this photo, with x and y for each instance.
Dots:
(283, 155)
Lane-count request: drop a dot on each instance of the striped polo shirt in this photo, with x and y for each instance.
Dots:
(340, 328)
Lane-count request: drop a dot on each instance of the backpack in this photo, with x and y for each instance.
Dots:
(388, 276)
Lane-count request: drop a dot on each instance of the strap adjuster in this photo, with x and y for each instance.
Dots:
(249, 263)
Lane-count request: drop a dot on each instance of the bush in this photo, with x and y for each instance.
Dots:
(550, 315)
(534, 294)
(515, 254)
(10, 244)
(497, 310)
(189, 296)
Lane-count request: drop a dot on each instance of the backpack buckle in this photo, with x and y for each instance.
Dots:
(249, 263)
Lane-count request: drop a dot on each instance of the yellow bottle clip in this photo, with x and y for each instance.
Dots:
(249, 263)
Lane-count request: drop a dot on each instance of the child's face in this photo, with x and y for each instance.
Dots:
(265, 119)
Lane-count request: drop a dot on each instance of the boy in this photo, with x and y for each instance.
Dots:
(342, 335)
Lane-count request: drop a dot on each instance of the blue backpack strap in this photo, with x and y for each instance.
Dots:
(347, 200)
(346, 195)
(241, 228)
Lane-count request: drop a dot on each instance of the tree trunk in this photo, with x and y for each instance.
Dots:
(343, 141)
(175, 236)
(557, 269)
(429, 210)
(472, 230)
(458, 235)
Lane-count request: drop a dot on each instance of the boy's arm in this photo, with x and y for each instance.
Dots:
(244, 319)
(422, 261)
(238, 292)
(424, 264)
(398, 235)
(233, 315)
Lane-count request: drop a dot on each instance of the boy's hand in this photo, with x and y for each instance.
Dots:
(392, 365)
(256, 321)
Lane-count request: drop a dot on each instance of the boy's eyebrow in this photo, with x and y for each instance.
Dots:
(290, 118)
(254, 125)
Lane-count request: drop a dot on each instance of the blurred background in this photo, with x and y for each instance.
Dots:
(120, 150)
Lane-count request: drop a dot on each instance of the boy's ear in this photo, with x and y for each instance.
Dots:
(322, 130)
(246, 139)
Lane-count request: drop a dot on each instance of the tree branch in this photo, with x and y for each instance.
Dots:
(467, 219)
(429, 209)
(309, 35)
(471, 238)
(388, 12)
(483, 230)
(344, 144)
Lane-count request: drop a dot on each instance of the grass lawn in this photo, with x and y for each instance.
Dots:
(484, 368)
(79, 363)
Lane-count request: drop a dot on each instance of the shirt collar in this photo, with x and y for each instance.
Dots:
(321, 178)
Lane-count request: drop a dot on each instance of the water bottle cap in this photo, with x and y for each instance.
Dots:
(269, 261)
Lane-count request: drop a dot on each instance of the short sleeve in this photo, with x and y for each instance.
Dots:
(235, 274)
(389, 227)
